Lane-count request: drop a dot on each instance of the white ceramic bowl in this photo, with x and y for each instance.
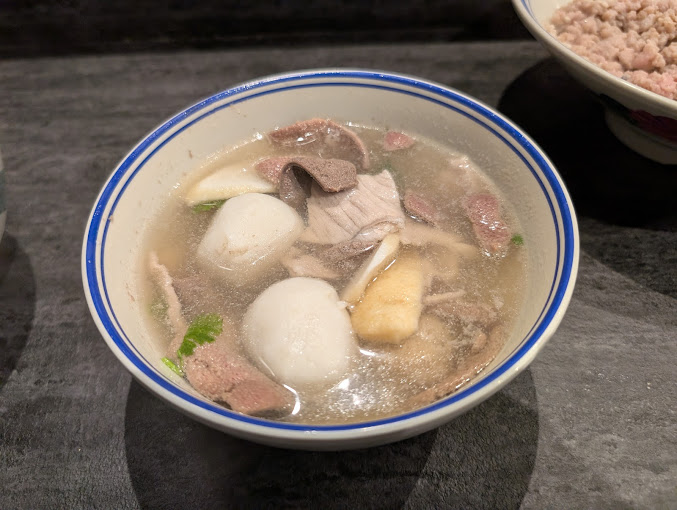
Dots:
(137, 187)
(643, 120)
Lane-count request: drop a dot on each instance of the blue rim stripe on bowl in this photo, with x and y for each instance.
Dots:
(546, 316)
(527, 6)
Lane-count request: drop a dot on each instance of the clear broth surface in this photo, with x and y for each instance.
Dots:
(383, 379)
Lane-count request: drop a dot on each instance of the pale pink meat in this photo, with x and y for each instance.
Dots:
(468, 369)
(222, 374)
(394, 141)
(450, 305)
(175, 318)
(418, 206)
(354, 247)
(491, 230)
(367, 212)
(326, 138)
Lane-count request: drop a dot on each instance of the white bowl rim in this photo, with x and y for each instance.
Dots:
(457, 403)
(523, 8)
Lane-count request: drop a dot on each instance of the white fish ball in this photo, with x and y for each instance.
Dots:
(247, 235)
(300, 332)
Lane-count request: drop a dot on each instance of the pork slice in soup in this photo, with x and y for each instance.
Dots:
(388, 282)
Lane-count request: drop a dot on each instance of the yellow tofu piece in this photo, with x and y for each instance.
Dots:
(391, 306)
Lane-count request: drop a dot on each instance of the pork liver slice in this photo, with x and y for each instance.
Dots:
(221, 373)
(325, 137)
(491, 230)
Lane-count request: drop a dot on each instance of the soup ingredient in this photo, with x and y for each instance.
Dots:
(491, 230)
(331, 175)
(226, 183)
(174, 368)
(467, 370)
(299, 264)
(174, 316)
(325, 137)
(383, 256)
(220, 372)
(271, 168)
(394, 141)
(422, 209)
(165, 284)
(208, 206)
(370, 210)
(417, 294)
(298, 331)
(391, 306)
(417, 234)
(631, 39)
(441, 265)
(346, 252)
(248, 235)
(204, 329)
(450, 305)
(194, 291)
(428, 354)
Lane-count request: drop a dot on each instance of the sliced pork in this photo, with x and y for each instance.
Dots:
(369, 212)
(325, 138)
(175, 319)
(221, 373)
(467, 370)
(353, 248)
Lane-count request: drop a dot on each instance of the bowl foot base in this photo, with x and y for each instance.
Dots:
(649, 146)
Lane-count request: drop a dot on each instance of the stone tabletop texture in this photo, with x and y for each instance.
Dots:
(592, 423)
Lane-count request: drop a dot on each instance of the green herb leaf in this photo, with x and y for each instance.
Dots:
(172, 366)
(517, 240)
(208, 206)
(204, 329)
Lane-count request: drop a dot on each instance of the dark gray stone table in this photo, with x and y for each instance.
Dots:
(591, 424)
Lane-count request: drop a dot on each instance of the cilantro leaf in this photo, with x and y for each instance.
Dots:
(208, 206)
(172, 366)
(204, 329)
(517, 240)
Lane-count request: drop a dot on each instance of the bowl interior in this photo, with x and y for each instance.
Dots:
(138, 187)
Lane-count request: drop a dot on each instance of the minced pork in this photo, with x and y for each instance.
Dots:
(635, 40)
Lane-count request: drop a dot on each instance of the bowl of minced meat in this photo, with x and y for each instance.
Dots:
(625, 51)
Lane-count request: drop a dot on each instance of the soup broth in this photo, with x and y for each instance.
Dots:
(469, 287)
